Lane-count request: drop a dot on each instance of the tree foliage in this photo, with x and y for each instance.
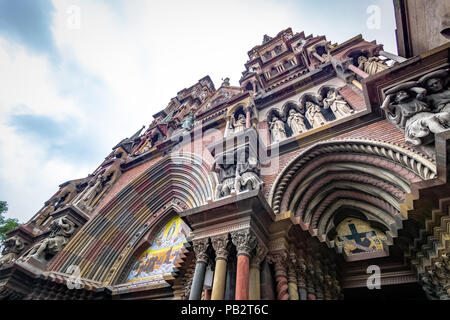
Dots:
(6, 224)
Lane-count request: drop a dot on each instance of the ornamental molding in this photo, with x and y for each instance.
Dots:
(418, 163)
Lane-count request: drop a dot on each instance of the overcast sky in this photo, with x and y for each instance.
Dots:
(70, 91)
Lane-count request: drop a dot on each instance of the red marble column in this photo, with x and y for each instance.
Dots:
(358, 71)
(242, 277)
(208, 294)
(245, 242)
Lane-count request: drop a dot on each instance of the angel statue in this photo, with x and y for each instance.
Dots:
(239, 124)
(337, 104)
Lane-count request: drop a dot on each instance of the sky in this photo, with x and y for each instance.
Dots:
(78, 76)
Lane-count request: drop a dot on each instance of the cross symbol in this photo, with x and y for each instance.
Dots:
(357, 236)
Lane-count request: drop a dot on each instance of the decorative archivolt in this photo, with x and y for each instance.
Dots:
(183, 178)
(331, 177)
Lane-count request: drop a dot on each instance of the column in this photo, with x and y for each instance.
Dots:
(316, 55)
(358, 71)
(310, 278)
(245, 242)
(255, 272)
(292, 276)
(200, 249)
(220, 245)
(248, 117)
(230, 289)
(392, 56)
(279, 260)
(301, 277)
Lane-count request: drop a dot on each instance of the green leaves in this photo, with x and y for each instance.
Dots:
(6, 225)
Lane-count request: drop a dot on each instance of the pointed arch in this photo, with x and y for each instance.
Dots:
(109, 236)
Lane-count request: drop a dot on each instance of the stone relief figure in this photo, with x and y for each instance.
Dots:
(314, 115)
(296, 122)
(12, 249)
(85, 198)
(227, 176)
(277, 129)
(407, 102)
(247, 175)
(436, 84)
(240, 124)
(371, 65)
(420, 108)
(337, 104)
(189, 122)
(61, 230)
(420, 129)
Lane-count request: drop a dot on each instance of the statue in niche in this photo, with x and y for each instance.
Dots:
(438, 92)
(12, 249)
(277, 129)
(94, 188)
(314, 115)
(189, 122)
(337, 104)
(61, 230)
(227, 176)
(240, 124)
(296, 122)
(371, 65)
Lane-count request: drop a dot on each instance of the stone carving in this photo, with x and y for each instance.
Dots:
(227, 176)
(188, 123)
(245, 241)
(247, 174)
(337, 104)
(200, 248)
(314, 115)
(371, 65)
(11, 251)
(296, 122)
(240, 124)
(436, 281)
(279, 260)
(61, 231)
(420, 108)
(259, 256)
(221, 246)
(277, 129)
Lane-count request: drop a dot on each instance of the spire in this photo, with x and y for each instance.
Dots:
(266, 39)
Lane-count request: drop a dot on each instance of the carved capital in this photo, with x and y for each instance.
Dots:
(245, 242)
(200, 249)
(279, 260)
(221, 246)
(260, 254)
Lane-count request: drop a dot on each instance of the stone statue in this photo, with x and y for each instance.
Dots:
(247, 175)
(314, 115)
(371, 65)
(61, 230)
(227, 177)
(240, 124)
(405, 104)
(189, 122)
(277, 129)
(338, 105)
(86, 198)
(296, 122)
(420, 129)
(438, 92)
(12, 249)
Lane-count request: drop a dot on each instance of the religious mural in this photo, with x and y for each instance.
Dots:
(160, 258)
(357, 236)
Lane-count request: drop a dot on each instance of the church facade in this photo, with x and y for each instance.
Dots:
(325, 172)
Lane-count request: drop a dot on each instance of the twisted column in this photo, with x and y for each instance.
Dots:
(301, 277)
(220, 245)
(279, 260)
(200, 249)
(245, 242)
(319, 279)
(310, 277)
(255, 272)
(292, 275)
